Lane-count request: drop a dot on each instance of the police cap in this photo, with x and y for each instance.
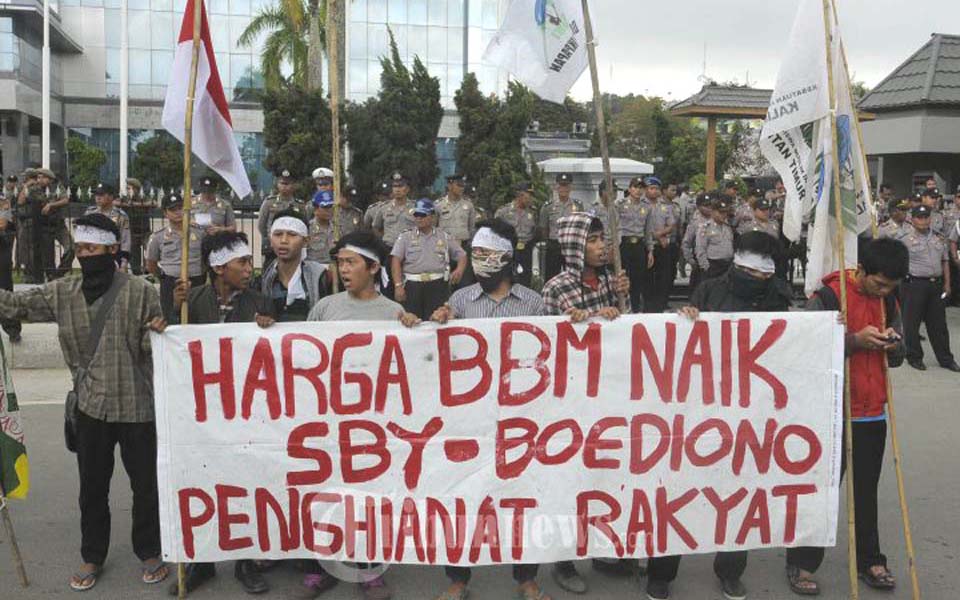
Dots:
(521, 188)
(652, 180)
(12, 178)
(399, 179)
(45, 173)
(762, 204)
(920, 212)
(172, 202)
(286, 176)
(723, 202)
(456, 178)
(705, 199)
(104, 188)
(901, 204)
(564, 178)
(323, 199)
(423, 208)
(208, 185)
(931, 193)
(134, 183)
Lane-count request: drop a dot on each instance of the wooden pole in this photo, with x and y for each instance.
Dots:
(334, 8)
(12, 536)
(841, 251)
(613, 216)
(711, 162)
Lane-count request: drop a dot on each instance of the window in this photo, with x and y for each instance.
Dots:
(358, 41)
(377, 11)
(161, 61)
(438, 12)
(358, 76)
(455, 45)
(162, 31)
(374, 70)
(220, 34)
(358, 11)
(237, 25)
(240, 7)
(139, 69)
(398, 12)
(139, 27)
(161, 5)
(437, 40)
(111, 28)
(454, 12)
(218, 7)
(490, 20)
(417, 44)
(379, 41)
(418, 12)
(241, 70)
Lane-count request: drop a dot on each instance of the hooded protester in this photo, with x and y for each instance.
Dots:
(104, 319)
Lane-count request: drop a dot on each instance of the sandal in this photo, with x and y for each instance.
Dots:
(800, 584)
(882, 581)
(531, 593)
(85, 580)
(459, 594)
(153, 574)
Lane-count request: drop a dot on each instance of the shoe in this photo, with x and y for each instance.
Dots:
(658, 590)
(375, 589)
(952, 367)
(566, 576)
(250, 578)
(733, 589)
(917, 364)
(313, 585)
(195, 575)
(615, 566)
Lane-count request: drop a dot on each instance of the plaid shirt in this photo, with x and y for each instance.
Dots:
(119, 384)
(566, 290)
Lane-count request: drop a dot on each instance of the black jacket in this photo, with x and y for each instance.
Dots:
(204, 306)
(716, 295)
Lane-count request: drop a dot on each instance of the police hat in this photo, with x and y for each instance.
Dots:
(564, 178)
(723, 203)
(207, 185)
(920, 212)
(104, 188)
(12, 178)
(762, 204)
(423, 208)
(351, 192)
(755, 193)
(728, 184)
(322, 173)
(705, 199)
(636, 182)
(323, 199)
(521, 188)
(456, 178)
(398, 179)
(931, 193)
(652, 180)
(172, 202)
(134, 183)
(285, 175)
(45, 172)
(901, 204)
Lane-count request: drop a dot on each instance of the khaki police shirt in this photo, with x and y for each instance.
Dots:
(743, 212)
(393, 219)
(951, 214)
(457, 217)
(523, 220)
(320, 241)
(351, 219)
(599, 210)
(218, 213)
(118, 216)
(662, 215)
(371, 213)
(555, 210)
(891, 229)
(714, 242)
(927, 253)
(634, 218)
(689, 243)
(165, 247)
(421, 253)
(771, 227)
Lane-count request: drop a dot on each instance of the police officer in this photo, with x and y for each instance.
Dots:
(210, 212)
(714, 246)
(932, 199)
(349, 217)
(8, 232)
(522, 218)
(284, 199)
(661, 242)
(700, 217)
(897, 226)
(138, 207)
(554, 210)
(456, 213)
(320, 237)
(42, 206)
(420, 264)
(743, 213)
(165, 252)
(634, 216)
(323, 179)
(381, 198)
(924, 293)
(395, 216)
(951, 216)
(760, 220)
(28, 231)
(103, 196)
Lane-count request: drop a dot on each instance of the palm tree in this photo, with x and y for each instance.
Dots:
(294, 37)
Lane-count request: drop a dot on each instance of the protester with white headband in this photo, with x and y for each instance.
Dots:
(113, 392)
(292, 283)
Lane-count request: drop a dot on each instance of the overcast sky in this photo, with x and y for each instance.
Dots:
(656, 47)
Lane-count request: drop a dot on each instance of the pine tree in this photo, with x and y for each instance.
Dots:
(296, 132)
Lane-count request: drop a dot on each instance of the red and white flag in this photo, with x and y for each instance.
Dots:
(213, 140)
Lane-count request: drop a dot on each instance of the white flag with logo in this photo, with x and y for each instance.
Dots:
(542, 43)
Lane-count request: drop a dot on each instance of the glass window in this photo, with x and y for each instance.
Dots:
(92, 3)
(6, 24)
(70, 3)
(139, 24)
(378, 41)
(454, 78)
(398, 12)
(106, 3)
(358, 11)
(139, 69)
(223, 67)
(358, 76)
(162, 30)
(166, 5)
(454, 12)
(179, 6)
(111, 28)
(138, 4)
(220, 34)
(377, 11)
(374, 70)
(418, 12)
(401, 35)
(437, 40)
(241, 70)
(113, 66)
(358, 41)
(161, 61)
(237, 25)
(218, 7)
(440, 72)
(455, 44)
(438, 12)
(490, 14)
(6, 42)
(418, 43)
(6, 62)
(476, 13)
(240, 7)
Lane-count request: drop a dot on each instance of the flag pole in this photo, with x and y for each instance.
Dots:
(613, 217)
(333, 65)
(14, 545)
(124, 94)
(841, 251)
(45, 89)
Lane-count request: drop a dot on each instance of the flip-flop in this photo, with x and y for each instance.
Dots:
(879, 582)
(83, 580)
(148, 575)
(797, 580)
(461, 594)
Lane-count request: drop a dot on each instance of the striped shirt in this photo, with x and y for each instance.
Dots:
(472, 303)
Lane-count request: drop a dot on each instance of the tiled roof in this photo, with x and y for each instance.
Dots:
(931, 77)
(718, 96)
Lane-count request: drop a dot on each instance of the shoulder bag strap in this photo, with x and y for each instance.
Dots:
(100, 320)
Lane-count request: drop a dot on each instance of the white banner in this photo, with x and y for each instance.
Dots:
(543, 44)
(492, 441)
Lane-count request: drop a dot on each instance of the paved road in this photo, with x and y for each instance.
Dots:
(929, 414)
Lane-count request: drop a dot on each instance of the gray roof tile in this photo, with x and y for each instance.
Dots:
(728, 97)
(930, 77)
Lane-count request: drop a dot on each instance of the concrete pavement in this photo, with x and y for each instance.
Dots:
(48, 529)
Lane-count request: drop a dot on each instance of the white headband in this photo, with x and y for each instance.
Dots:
(87, 234)
(364, 252)
(291, 224)
(220, 257)
(486, 238)
(757, 262)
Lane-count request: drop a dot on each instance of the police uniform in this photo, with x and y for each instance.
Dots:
(524, 222)
(320, 241)
(425, 260)
(383, 192)
(662, 216)
(951, 216)
(42, 230)
(269, 209)
(458, 218)
(714, 246)
(688, 246)
(892, 229)
(550, 215)
(215, 212)
(922, 295)
(165, 248)
(393, 219)
(349, 218)
(7, 237)
(634, 217)
(138, 208)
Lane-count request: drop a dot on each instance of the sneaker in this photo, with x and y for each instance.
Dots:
(566, 576)
(375, 589)
(733, 589)
(658, 590)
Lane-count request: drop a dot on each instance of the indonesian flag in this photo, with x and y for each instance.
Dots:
(213, 140)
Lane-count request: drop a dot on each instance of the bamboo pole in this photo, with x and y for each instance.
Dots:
(12, 535)
(613, 216)
(841, 251)
(333, 64)
(188, 201)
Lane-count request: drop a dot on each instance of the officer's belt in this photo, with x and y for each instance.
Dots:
(631, 239)
(521, 245)
(938, 279)
(424, 277)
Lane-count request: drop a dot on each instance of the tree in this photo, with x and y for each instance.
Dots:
(296, 132)
(560, 117)
(84, 162)
(158, 161)
(291, 39)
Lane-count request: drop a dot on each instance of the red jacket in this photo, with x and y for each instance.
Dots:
(868, 381)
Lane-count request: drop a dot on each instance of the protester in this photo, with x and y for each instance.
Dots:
(227, 298)
(495, 295)
(873, 328)
(583, 290)
(113, 380)
(292, 283)
(165, 252)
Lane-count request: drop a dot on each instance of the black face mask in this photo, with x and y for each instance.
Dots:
(97, 275)
(747, 287)
(489, 284)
